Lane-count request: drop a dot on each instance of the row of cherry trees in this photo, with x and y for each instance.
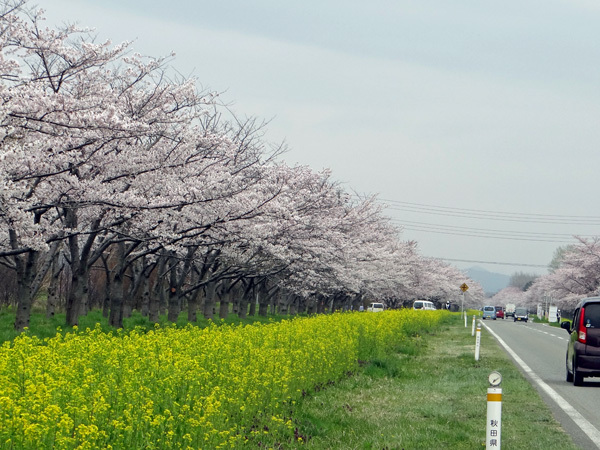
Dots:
(575, 275)
(108, 160)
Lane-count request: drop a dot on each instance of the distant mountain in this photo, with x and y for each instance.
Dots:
(490, 282)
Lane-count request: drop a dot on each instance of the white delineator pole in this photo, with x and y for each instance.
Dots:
(477, 342)
(473, 327)
(494, 418)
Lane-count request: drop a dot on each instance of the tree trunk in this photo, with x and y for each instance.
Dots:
(283, 302)
(321, 304)
(224, 299)
(356, 302)
(243, 307)
(157, 292)
(224, 305)
(245, 297)
(84, 302)
(235, 299)
(177, 280)
(174, 293)
(31, 268)
(52, 301)
(162, 298)
(253, 300)
(115, 318)
(293, 308)
(263, 301)
(25, 274)
(79, 268)
(192, 306)
(302, 305)
(145, 306)
(209, 300)
(73, 299)
(274, 301)
(133, 300)
(56, 269)
(107, 288)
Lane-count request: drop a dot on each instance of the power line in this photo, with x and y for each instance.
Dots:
(486, 233)
(491, 215)
(491, 231)
(513, 238)
(489, 211)
(493, 262)
(481, 214)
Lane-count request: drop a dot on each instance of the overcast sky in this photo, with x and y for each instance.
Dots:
(469, 118)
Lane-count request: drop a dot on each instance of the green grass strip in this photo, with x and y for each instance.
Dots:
(429, 395)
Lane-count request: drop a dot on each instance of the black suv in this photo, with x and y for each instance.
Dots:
(583, 351)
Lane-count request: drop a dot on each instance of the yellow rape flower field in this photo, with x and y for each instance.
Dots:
(191, 388)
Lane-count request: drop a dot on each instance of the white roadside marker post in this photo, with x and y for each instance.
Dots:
(494, 412)
(473, 327)
(477, 342)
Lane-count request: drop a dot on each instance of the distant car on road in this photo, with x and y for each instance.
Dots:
(509, 310)
(424, 304)
(489, 312)
(583, 350)
(521, 314)
(499, 312)
(375, 307)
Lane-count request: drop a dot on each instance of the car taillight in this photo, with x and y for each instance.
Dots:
(581, 330)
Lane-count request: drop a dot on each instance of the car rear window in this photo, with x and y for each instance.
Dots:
(488, 308)
(592, 315)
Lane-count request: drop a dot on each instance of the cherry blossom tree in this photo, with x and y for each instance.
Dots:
(83, 120)
(577, 275)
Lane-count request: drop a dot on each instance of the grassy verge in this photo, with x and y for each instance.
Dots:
(431, 395)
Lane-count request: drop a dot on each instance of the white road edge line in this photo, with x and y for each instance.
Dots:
(590, 430)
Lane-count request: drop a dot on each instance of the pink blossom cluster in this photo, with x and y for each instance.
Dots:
(577, 276)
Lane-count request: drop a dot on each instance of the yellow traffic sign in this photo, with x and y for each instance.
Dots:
(464, 287)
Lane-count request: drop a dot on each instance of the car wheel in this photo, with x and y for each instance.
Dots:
(577, 376)
(569, 374)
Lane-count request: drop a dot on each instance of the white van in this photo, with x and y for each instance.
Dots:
(375, 307)
(424, 304)
(509, 310)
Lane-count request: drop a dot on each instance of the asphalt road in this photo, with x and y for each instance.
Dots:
(541, 348)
